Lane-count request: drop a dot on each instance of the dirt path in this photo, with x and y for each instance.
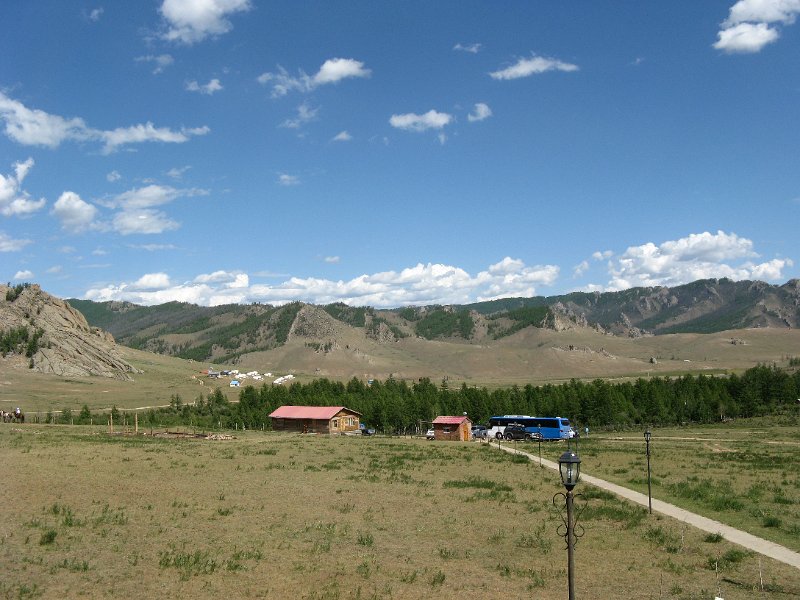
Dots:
(696, 439)
(751, 542)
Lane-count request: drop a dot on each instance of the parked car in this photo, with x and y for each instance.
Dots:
(518, 432)
(479, 431)
(515, 432)
(367, 431)
(430, 434)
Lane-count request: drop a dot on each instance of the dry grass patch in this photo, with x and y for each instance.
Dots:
(271, 515)
(743, 474)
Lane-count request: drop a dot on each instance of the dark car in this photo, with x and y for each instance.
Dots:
(367, 431)
(515, 432)
(518, 432)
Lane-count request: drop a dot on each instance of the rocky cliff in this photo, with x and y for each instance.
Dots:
(46, 334)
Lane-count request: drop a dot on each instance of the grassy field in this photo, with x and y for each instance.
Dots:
(744, 475)
(161, 377)
(271, 515)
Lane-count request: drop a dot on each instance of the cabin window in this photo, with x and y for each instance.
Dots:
(335, 423)
(446, 430)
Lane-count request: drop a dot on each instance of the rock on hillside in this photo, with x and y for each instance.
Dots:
(65, 344)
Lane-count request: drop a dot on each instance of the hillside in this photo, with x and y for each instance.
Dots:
(637, 331)
(225, 333)
(46, 335)
(704, 306)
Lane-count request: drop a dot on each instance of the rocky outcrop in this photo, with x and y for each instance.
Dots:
(312, 322)
(66, 344)
(564, 318)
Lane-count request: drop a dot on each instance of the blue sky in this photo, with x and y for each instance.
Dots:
(388, 154)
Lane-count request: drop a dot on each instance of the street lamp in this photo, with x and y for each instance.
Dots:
(569, 467)
(647, 436)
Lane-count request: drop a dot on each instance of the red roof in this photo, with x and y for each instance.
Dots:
(450, 420)
(309, 412)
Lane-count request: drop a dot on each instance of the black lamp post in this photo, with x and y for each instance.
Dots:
(647, 436)
(569, 466)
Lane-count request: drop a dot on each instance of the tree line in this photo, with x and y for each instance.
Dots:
(397, 406)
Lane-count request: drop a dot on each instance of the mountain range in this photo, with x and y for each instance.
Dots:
(578, 334)
(226, 333)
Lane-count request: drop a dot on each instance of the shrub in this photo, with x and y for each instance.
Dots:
(48, 537)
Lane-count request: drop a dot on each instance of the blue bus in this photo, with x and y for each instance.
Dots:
(548, 428)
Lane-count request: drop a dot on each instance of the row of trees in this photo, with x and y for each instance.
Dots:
(397, 406)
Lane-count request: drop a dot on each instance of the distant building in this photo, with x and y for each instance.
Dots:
(455, 429)
(234, 383)
(315, 419)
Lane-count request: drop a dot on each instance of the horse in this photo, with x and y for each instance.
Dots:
(12, 417)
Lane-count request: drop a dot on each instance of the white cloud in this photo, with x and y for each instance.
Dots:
(95, 14)
(191, 21)
(153, 247)
(342, 136)
(99, 252)
(421, 284)
(113, 176)
(208, 89)
(763, 11)
(479, 113)
(698, 256)
(332, 70)
(75, 214)
(745, 38)
(748, 27)
(332, 260)
(54, 270)
(152, 281)
(23, 275)
(143, 221)
(151, 195)
(581, 268)
(305, 114)
(220, 287)
(231, 280)
(9, 244)
(604, 255)
(288, 180)
(413, 122)
(471, 48)
(135, 208)
(161, 61)
(177, 173)
(32, 127)
(136, 134)
(14, 201)
(534, 65)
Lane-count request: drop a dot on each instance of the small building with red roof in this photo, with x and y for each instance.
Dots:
(454, 429)
(315, 419)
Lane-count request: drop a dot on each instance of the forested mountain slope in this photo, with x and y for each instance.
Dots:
(225, 333)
